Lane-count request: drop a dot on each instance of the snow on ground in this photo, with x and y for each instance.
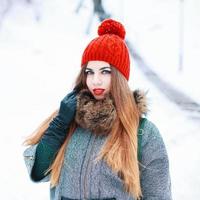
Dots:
(38, 64)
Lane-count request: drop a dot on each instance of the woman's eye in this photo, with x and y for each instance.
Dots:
(88, 72)
(106, 72)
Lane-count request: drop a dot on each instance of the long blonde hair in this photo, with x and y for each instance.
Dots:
(120, 148)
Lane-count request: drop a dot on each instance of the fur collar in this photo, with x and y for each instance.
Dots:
(99, 115)
(141, 101)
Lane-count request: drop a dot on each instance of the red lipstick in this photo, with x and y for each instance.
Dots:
(98, 91)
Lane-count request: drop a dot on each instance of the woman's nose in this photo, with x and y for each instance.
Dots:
(97, 80)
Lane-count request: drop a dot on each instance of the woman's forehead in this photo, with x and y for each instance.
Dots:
(97, 64)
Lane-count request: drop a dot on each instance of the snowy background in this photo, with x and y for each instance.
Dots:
(41, 43)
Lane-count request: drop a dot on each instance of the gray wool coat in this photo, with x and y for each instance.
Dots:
(84, 179)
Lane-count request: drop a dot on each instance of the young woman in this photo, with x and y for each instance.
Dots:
(97, 145)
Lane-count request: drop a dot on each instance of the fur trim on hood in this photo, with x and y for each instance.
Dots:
(141, 101)
(99, 115)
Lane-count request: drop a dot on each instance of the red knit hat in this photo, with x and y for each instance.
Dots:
(109, 47)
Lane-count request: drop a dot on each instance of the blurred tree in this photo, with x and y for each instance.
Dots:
(5, 6)
(37, 6)
(181, 36)
(80, 4)
(99, 10)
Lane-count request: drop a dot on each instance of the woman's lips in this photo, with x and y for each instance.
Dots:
(98, 91)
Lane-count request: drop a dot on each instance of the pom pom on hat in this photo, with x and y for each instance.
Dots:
(110, 26)
(110, 47)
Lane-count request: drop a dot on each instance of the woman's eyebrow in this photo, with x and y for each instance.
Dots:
(105, 68)
(87, 68)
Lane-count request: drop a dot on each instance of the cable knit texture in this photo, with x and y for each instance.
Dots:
(110, 47)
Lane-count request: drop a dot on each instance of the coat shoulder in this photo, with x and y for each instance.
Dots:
(150, 131)
(153, 145)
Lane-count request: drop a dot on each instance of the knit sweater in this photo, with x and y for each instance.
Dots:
(82, 178)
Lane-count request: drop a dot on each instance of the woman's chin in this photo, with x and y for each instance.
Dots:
(98, 97)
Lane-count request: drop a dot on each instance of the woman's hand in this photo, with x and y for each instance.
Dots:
(67, 108)
(57, 130)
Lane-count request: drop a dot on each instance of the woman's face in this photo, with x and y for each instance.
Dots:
(98, 78)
